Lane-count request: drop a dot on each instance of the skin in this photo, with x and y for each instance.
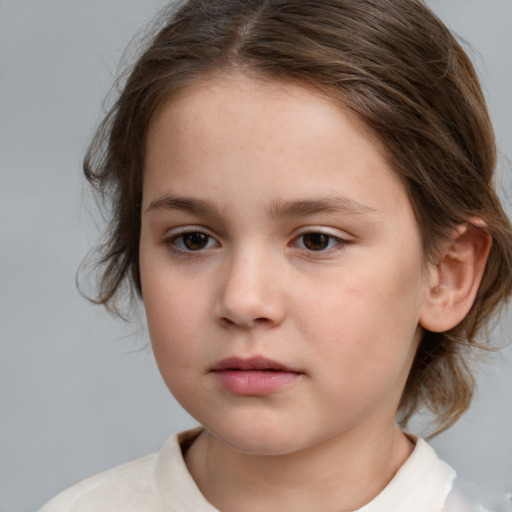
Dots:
(256, 166)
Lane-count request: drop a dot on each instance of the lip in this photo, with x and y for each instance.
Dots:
(256, 363)
(254, 376)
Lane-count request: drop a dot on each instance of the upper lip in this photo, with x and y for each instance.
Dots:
(251, 363)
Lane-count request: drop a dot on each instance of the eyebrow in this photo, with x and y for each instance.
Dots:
(278, 209)
(303, 207)
(182, 203)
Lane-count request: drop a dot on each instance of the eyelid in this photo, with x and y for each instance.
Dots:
(324, 230)
(188, 228)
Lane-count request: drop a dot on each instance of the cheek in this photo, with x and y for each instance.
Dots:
(362, 342)
(172, 316)
(367, 317)
(171, 332)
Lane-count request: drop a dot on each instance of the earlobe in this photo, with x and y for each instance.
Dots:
(455, 279)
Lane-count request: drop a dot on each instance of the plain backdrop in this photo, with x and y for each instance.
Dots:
(79, 392)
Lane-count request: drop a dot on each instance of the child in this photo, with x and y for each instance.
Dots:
(301, 196)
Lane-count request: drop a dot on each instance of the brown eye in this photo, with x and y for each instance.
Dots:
(191, 241)
(316, 241)
(195, 241)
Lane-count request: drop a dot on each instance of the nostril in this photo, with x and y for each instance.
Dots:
(261, 320)
(227, 322)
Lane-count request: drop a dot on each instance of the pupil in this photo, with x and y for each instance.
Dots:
(195, 241)
(316, 241)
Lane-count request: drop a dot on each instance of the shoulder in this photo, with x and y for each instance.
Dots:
(467, 496)
(155, 483)
(420, 485)
(129, 487)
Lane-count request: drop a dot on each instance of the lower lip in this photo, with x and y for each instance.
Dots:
(254, 382)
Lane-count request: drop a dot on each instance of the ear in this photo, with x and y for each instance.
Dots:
(455, 280)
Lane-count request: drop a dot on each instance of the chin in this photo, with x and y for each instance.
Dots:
(257, 439)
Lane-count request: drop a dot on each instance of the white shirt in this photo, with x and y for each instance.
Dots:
(161, 483)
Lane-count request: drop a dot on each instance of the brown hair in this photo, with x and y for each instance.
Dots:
(395, 65)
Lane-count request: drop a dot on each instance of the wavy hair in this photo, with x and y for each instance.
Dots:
(391, 62)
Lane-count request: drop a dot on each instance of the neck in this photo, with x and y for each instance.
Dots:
(342, 473)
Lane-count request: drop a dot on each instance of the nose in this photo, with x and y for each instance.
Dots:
(250, 294)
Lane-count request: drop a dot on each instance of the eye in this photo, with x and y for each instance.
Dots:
(193, 241)
(318, 241)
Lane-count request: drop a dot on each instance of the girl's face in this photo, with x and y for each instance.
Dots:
(281, 266)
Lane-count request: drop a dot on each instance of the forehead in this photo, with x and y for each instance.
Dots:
(217, 97)
(269, 138)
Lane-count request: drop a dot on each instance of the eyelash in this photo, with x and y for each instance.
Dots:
(176, 242)
(333, 242)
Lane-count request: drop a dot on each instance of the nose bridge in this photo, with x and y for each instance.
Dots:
(250, 290)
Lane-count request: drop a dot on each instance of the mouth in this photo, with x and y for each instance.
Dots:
(261, 364)
(255, 376)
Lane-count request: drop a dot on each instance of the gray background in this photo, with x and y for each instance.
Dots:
(79, 391)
